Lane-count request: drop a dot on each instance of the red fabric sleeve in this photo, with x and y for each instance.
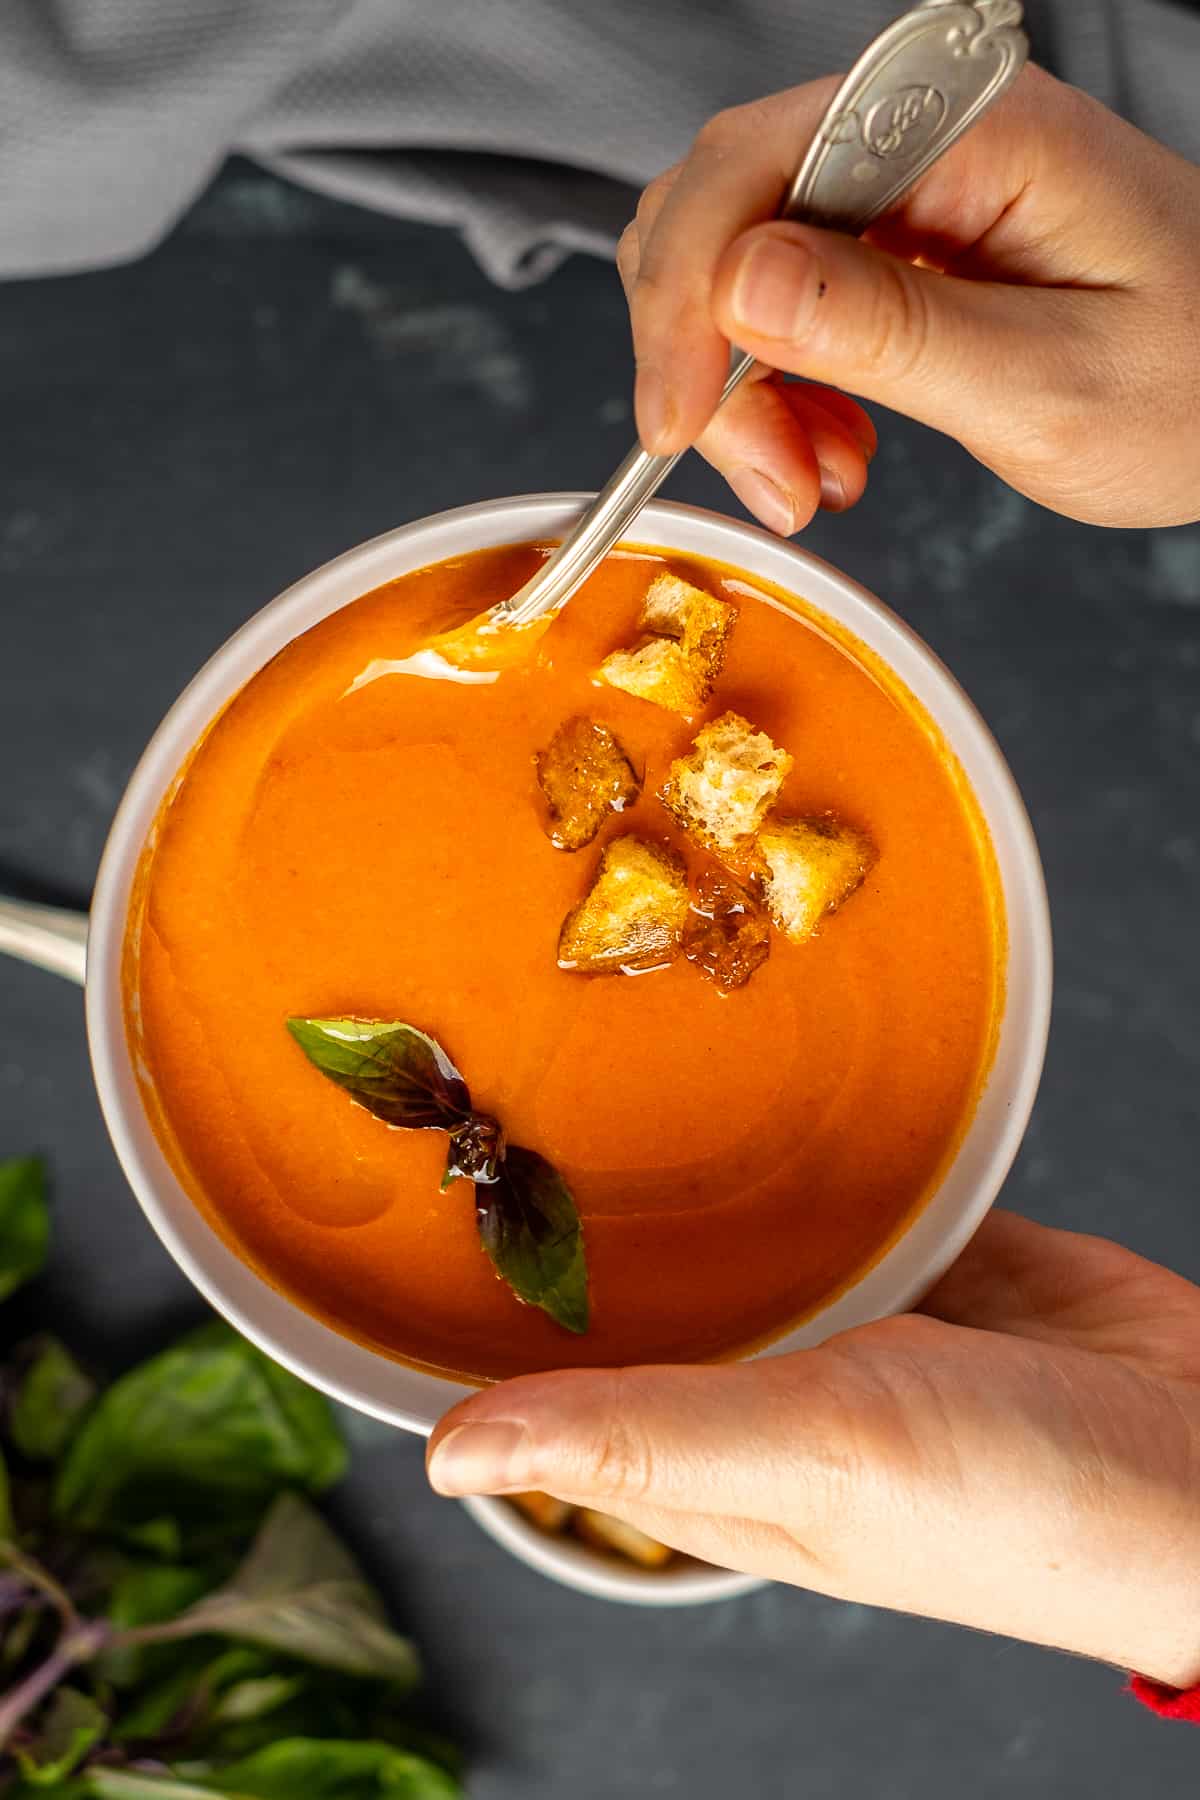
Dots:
(1167, 1702)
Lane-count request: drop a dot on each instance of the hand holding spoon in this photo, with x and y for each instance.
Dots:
(911, 95)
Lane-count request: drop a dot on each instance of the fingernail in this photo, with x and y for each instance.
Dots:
(765, 499)
(653, 406)
(833, 491)
(480, 1459)
(776, 290)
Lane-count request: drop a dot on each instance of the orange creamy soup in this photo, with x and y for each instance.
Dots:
(353, 840)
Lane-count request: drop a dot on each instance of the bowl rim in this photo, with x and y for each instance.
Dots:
(575, 1566)
(366, 1379)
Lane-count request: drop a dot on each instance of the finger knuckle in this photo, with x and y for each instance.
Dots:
(629, 251)
(653, 303)
(896, 333)
(653, 195)
(619, 1462)
(716, 132)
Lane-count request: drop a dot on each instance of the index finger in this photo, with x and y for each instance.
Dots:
(737, 173)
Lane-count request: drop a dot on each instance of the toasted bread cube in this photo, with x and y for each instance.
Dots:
(605, 1533)
(667, 603)
(547, 1513)
(585, 775)
(673, 608)
(727, 935)
(724, 790)
(813, 866)
(661, 672)
(632, 917)
(679, 664)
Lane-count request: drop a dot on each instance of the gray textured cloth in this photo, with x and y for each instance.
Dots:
(528, 124)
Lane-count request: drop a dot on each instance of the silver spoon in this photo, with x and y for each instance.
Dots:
(924, 81)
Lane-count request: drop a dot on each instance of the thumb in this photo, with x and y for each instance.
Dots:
(705, 1439)
(950, 352)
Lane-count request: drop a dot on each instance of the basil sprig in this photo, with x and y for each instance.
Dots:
(527, 1219)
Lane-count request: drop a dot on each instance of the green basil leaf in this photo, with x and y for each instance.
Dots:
(395, 1071)
(389, 1726)
(205, 1433)
(53, 1396)
(179, 1703)
(69, 1726)
(24, 1221)
(256, 1697)
(146, 1593)
(159, 1537)
(300, 1592)
(131, 1784)
(530, 1228)
(324, 1769)
(294, 1769)
(75, 1789)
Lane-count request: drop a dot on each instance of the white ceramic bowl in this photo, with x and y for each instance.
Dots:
(605, 1577)
(348, 1371)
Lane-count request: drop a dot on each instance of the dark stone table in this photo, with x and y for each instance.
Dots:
(179, 441)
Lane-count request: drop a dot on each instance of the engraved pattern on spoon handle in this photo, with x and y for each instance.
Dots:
(924, 81)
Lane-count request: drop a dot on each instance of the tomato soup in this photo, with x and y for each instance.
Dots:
(353, 838)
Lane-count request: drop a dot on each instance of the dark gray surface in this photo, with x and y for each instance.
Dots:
(180, 440)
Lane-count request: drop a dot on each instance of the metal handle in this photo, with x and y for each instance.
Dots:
(923, 82)
(47, 936)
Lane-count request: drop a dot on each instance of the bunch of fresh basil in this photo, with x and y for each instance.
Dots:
(176, 1618)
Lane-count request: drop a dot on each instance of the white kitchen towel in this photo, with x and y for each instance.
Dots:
(527, 124)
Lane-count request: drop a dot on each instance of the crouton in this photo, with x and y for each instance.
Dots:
(702, 623)
(724, 790)
(614, 1535)
(679, 664)
(727, 935)
(813, 866)
(544, 1511)
(585, 775)
(661, 672)
(631, 919)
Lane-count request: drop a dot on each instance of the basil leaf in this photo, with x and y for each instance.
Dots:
(24, 1221)
(160, 1537)
(324, 1769)
(299, 1591)
(256, 1696)
(476, 1147)
(527, 1218)
(146, 1593)
(131, 1784)
(530, 1228)
(53, 1396)
(178, 1703)
(294, 1769)
(205, 1433)
(395, 1071)
(70, 1725)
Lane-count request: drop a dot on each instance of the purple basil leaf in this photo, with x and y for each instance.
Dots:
(530, 1228)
